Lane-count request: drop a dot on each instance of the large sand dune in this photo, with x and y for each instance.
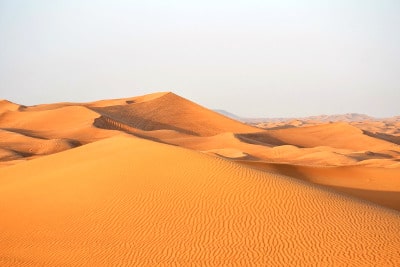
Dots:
(28, 145)
(129, 201)
(169, 111)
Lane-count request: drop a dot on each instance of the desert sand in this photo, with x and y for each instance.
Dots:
(106, 204)
(160, 180)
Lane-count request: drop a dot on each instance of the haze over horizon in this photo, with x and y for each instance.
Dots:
(251, 58)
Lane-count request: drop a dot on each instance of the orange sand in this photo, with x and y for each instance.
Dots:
(107, 196)
(128, 201)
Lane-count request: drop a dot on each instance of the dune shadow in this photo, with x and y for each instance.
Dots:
(389, 199)
(25, 132)
(369, 155)
(32, 134)
(282, 127)
(108, 124)
(22, 154)
(260, 138)
(22, 108)
(119, 118)
(280, 168)
(247, 157)
(386, 137)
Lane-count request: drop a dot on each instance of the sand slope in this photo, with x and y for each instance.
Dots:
(26, 145)
(69, 122)
(129, 201)
(379, 185)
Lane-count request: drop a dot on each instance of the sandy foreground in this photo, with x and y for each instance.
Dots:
(126, 201)
(158, 180)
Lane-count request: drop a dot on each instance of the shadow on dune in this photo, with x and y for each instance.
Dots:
(390, 199)
(120, 120)
(32, 134)
(247, 157)
(386, 137)
(261, 138)
(369, 155)
(282, 127)
(25, 132)
(22, 108)
(109, 124)
(22, 154)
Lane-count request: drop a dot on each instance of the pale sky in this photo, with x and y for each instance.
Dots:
(253, 58)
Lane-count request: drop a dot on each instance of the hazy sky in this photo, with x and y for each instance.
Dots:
(253, 58)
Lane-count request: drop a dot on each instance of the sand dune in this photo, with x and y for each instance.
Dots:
(125, 200)
(168, 118)
(26, 146)
(158, 117)
(29, 132)
(337, 135)
(379, 185)
(53, 119)
(6, 105)
(370, 143)
(69, 122)
(172, 112)
(257, 149)
(385, 129)
(76, 208)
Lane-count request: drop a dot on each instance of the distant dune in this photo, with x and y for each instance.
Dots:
(160, 180)
(336, 135)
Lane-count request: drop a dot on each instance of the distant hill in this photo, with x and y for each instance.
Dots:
(347, 117)
(229, 114)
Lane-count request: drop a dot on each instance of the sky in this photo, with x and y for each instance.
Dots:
(266, 58)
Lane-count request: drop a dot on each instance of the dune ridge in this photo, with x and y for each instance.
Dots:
(6, 105)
